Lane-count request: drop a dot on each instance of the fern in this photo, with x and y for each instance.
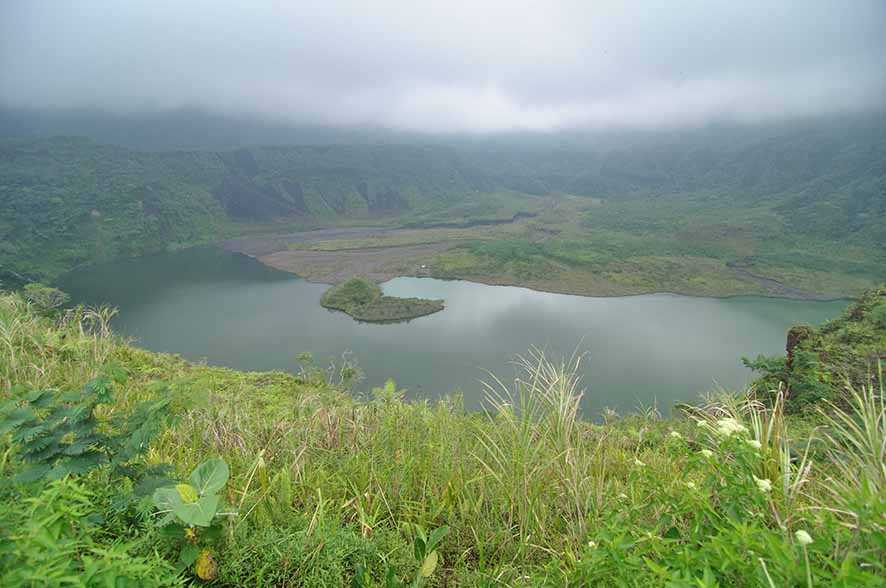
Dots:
(58, 434)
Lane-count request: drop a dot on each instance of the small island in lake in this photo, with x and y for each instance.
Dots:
(363, 300)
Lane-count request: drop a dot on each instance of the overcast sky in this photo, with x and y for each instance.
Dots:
(477, 65)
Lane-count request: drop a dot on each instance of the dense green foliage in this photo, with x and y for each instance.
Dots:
(59, 433)
(66, 201)
(325, 489)
(820, 177)
(45, 299)
(394, 309)
(846, 350)
(353, 293)
(191, 516)
(363, 300)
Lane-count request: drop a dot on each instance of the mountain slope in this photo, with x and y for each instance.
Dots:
(805, 189)
(65, 201)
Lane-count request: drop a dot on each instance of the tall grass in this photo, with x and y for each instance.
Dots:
(535, 451)
(857, 452)
(37, 351)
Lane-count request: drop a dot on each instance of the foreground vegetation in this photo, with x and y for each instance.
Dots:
(840, 351)
(363, 300)
(278, 479)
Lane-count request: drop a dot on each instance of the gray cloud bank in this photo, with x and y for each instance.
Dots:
(450, 66)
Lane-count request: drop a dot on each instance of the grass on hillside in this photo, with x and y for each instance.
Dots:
(328, 490)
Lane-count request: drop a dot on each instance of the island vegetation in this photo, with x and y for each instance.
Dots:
(121, 466)
(363, 300)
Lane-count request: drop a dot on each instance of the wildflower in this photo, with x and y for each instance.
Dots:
(707, 453)
(639, 463)
(676, 435)
(728, 426)
(803, 538)
(755, 444)
(763, 484)
(690, 485)
(592, 544)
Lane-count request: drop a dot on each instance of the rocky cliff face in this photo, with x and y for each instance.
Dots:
(821, 362)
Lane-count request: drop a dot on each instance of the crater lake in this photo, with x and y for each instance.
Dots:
(229, 309)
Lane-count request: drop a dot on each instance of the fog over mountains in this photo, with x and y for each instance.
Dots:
(129, 127)
(449, 67)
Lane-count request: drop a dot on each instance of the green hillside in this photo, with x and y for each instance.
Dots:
(125, 467)
(821, 177)
(821, 360)
(712, 211)
(67, 201)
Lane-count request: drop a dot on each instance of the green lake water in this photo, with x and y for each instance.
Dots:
(228, 309)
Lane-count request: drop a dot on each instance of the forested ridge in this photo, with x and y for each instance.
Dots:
(65, 201)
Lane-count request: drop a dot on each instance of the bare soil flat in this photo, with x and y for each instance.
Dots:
(260, 245)
(379, 253)
(378, 264)
(559, 248)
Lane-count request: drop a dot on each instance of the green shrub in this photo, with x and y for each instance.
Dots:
(45, 298)
(190, 515)
(61, 433)
(52, 539)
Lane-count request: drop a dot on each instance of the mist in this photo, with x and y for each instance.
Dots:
(450, 67)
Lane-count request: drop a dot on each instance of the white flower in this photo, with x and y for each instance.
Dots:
(676, 435)
(592, 544)
(729, 426)
(803, 538)
(690, 485)
(707, 453)
(755, 444)
(763, 484)
(639, 463)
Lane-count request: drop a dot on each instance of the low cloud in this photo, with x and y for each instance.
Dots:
(449, 67)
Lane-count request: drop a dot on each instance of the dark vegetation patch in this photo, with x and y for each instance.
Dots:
(296, 195)
(247, 200)
(363, 300)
